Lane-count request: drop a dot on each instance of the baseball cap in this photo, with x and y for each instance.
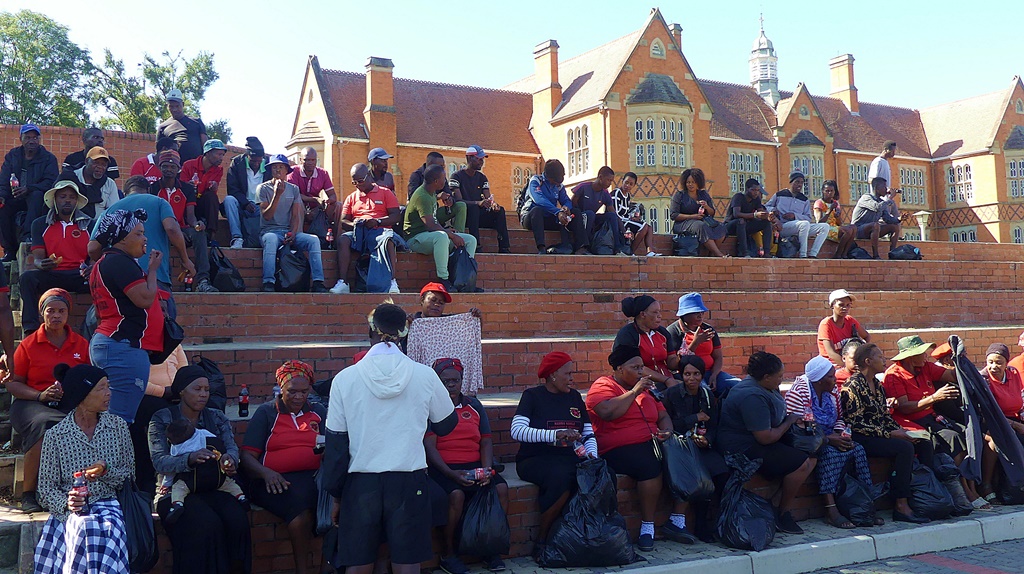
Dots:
(96, 152)
(475, 150)
(378, 153)
(839, 294)
(213, 144)
(175, 96)
(437, 288)
(29, 128)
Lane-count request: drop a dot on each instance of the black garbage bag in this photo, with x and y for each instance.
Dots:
(746, 521)
(591, 532)
(945, 468)
(485, 530)
(138, 524)
(927, 495)
(856, 501)
(292, 270)
(462, 271)
(949, 475)
(1009, 494)
(687, 477)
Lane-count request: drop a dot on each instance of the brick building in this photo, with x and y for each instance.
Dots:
(635, 104)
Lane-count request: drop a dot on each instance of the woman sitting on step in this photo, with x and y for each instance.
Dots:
(1007, 387)
(646, 333)
(693, 212)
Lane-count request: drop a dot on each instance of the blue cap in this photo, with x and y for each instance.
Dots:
(30, 128)
(213, 144)
(378, 153)
(691, 303)
(475, 150)
(278, 158)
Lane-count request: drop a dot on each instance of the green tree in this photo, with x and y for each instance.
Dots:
(123, 96)
(41, 72)
(218, 129)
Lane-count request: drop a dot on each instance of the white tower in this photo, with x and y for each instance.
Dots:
(764, 76)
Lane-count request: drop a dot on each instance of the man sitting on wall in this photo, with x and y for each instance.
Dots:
(874, 216)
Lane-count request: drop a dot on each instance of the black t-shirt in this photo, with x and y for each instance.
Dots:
(77, 160)
(547, 410)
(473, 187)
(112, 277)
(745, 204)
(747, 408)
(186, 132)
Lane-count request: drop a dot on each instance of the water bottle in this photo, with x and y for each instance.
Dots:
(277, 392)
(81, 486)
(243, 401)
(14, 181)
(478, 474)
(320, 445)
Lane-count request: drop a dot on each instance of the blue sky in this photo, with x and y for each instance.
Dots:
(913, 53)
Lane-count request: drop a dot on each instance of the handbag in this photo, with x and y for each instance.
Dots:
(462, 271)
(324, 505)
(711, 222)
(292, 270)
(318, 226)
(223, 274)
(685, 245)
(143, 552)
(173, 336)
(806, 440)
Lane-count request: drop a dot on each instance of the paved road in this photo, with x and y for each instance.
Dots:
(999, 558)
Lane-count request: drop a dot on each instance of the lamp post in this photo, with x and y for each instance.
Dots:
(922, 222)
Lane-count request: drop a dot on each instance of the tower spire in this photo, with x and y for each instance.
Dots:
(764, 68)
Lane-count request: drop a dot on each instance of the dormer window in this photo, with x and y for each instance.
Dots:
(657, 49)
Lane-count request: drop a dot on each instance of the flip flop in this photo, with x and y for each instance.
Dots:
(981, 504)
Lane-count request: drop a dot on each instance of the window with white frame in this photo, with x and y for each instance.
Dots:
(454, 166)
(859, 184)
(744, 165)
(912, 183)
(968, 234)
(1018, 234)
(657, 49)
(660, 141)
(1020, 106)
(578, 145)
(959, 188)
(521, 174)
(1015, 177)
(911, 235)
(812, 165)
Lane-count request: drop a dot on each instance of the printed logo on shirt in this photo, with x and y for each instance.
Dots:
(77, 356)
(314, 426)
(575, 412)
(76, 233)
(466, 415)
(177, 198)
(378, 202)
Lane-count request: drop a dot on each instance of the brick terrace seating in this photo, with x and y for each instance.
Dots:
(535, 304)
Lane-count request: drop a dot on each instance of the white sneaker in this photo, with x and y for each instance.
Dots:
(653, 254)
(340, 287)
(236, 243)
(394, 287)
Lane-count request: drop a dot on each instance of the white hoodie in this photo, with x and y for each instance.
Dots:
(384, 402)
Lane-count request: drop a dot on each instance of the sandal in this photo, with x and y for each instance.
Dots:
(838, 520)
(981, 504)
(879, 521)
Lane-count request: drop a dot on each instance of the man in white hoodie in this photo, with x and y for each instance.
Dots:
(375, 461)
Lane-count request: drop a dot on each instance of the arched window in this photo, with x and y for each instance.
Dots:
(657, 49)
(639, 128)
(650, 129)
(671, 130)
(1020, 106)
(664, 130)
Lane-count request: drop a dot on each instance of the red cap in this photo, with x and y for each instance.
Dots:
(437, 288)
(942, 351)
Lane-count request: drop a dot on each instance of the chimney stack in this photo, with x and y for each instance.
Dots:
(547, 93)
(842, 82)
(677, 36)
(380, 104)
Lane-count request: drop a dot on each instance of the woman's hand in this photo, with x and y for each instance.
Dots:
(52, 394)
(791, 419)
(837, 441)
(75, 500)
(567, 435)
(476, 313)
(701, 441)
(642, 385)
(948, 391)
(199, 457)
(902, 434)
(228, 464)
(276, 484)
(663, 435)
(891, 403)
(97, 470)
(702, 336)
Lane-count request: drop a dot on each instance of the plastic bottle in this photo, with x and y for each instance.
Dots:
(847, 433)
(330, 235)
(188, 283)
(701, 428)
(321, 444)
(243, 401)
(81, 486)
(277, 392)
(579, 449)
(478, 474)
(808, 413)
(14, 181)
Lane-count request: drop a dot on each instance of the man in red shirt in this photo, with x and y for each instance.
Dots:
(182, 198)
(373, 208)
(205, 173)
(147, 167)
(60, 248)
(315, 188)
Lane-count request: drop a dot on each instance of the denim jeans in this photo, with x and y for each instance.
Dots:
(271, 240)
(723, 382)
(127, 372)
(234, 214)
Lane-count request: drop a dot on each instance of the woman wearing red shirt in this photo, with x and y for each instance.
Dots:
(646, 333)
(626, 419)
(1007, 387)
(33, 384)
(839, 328)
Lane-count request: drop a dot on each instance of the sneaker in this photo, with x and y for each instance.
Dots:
(676, 534)
(318, 287)
(205, 287)
(495, 564)
(177, 509)
(653, 254)
(787, 524)
(447, 285)
(29, 502)
(478, 289)
(268, 288)
(236, 243)
(394, 287)
(452, 565)
(340, 287)
(645, 543)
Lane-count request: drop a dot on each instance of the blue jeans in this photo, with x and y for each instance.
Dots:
(723, 383)
(234, 215)
(127, 372)
(271, 240)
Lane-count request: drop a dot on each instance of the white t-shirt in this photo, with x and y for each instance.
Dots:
(384, 402)
(880, 168)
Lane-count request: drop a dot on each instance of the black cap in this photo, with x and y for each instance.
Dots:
(254, 145)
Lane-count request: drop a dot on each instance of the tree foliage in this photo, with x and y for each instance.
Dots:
(123, 96)
(41, 72)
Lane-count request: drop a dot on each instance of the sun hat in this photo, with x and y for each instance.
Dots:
(910, 347)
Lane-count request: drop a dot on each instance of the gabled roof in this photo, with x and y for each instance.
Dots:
(1016, 139)
(966, 125)
(805, 137)
(437, 114)
(873, 127)
(658, 88)
(739, 113)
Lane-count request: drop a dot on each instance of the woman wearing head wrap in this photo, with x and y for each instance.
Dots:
(34, 392)
(279, 455)
(95, 442)
(646, 333)
(815, 392)
(627, 417)
(449, 457)
(212, 533)
(550, 418)
(1007, 387)
(130, 319)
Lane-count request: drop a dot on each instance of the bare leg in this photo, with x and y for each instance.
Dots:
(875, 233)
(847, 234)
(31, 480)
(649, 491)
(456, 501)
(792, 482)
(895, 230)
(549, 517)
(299, 532)
(646, 239)
(712, 248)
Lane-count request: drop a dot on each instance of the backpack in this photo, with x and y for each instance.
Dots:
(218, 387)
(906, 252)
(789, 247)
(603, 243)
(519, 202)
(462, 271)
(858, 253)
(223, 274)
(293, 273)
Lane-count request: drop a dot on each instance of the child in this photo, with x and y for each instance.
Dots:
(186, 439)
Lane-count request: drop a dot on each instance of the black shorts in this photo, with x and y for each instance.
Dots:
(636, 461)
(449, 485)
(388, 506)
(31, 420)
(301, 495)
(777, 459)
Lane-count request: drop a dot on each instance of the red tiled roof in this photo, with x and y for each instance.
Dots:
(738, 112)
(438, 114)
(875, 124)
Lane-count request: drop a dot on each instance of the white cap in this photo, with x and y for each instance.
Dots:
(838, 294)
(175, 96)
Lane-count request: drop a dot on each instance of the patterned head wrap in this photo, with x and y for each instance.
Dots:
(55, 294)
(292, 369)
(441, 365)
(116, 225)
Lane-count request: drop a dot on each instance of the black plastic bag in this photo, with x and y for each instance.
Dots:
(809, 441)
(789, 247)
(687, 477)
(1010, 495)
(927, 495)
(685, 246)
(462, 271)
(218, 386)
(746, 521)
(591, 532)
(603, 242)
(292, 270)
(858, 253)
(485, 531)
(945, 467)
(856, 501)
(906, 252)
(223, 274)
(143, 552)
(318, 226)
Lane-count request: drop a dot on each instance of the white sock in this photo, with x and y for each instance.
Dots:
(678, 520)
(646, 528)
